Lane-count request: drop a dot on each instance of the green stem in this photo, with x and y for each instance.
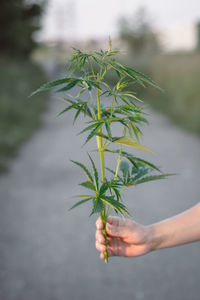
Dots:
(123, 190)
(99, 144)
(116, 173)
(99, 139)
(118, 163)
(105, 236)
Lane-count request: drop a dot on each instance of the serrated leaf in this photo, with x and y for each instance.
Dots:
(88, 127)
(135, 75)
(107, 125)
(137, 118)
(118, 74)
(129, 131)
(136, 131)
(81, 202)
(93, 132)
(82, 105)
(51, 84)
(141, 172)
(113, 172)
(133, 159)
(121, 85)
(153, 177)
(79, 110)
(88, 185)
(142, 77)
(128, 96)
(125, 100)
(93, 83)
(85, 170)
(95, 59)
(144, 162)
(88, 112)
(87, 84)
(68, 108)
(97, 206)
(115, 205)
(69, 86)
(124, 166)
(69, 101)
(117, 193)
(128, 141)
(95, 172)
(104, 187)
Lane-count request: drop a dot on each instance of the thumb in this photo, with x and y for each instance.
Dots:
(115, 227)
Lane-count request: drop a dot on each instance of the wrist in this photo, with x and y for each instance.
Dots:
(161, 235)
(153, 238)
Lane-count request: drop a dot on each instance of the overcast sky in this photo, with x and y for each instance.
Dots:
(81, 19)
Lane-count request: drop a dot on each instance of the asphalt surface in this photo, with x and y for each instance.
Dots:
(48, 253)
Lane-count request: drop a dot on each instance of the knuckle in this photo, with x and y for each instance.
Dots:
(97, 246)
(100, 247)
(99, 224)
(99, 236)
(97, 221)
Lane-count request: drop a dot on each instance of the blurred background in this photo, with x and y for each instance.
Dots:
(45, 251)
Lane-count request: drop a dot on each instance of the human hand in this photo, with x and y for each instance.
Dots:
(125, 238)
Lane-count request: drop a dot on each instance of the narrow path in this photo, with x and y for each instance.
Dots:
(48, 253)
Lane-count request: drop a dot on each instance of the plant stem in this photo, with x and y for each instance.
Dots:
(123, 190)
(99, 144)
(105, 235)
(118, 163)
(116, 173)
(99, 139)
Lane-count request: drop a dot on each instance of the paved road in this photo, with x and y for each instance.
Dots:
(48, 253)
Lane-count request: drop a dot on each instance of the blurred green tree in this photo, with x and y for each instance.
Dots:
(138, 33)
(19, 19)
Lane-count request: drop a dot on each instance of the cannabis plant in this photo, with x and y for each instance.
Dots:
(123, 107)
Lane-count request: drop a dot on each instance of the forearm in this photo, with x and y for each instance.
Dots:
(180, 229)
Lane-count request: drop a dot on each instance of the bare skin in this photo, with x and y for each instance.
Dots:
(130, 239)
